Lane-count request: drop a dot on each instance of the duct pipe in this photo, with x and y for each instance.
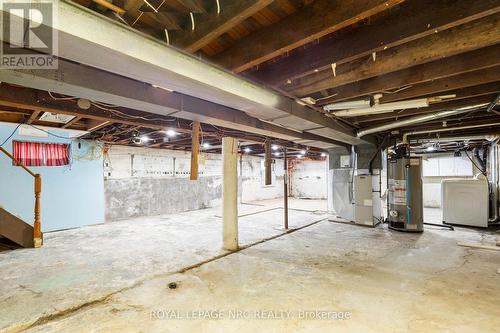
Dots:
(455, 138)
(494, 216)
(379, 108)
(479, 160)
(493, 104)
(417, 119)
(447, 129)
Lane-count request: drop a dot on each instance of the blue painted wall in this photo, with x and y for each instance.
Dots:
(72, 196)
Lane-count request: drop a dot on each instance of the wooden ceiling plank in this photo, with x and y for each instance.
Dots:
(210, 28)
(110, 6)
(94, 125)
(308, 24)
(195, 6)
(33, 117)
(439, 69)
(71, 122)
(414, 20)
(467, 37)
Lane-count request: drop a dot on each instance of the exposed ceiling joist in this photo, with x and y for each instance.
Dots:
(195, 6)
(414, 20)
(209, 28)
(439, 69)
(467, 37)
(94, 125)
(72, 122)
(93, 84)
(151, 62)
(310, 23)
(33, 117)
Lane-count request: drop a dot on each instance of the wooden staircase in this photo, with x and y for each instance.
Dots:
(15, 229)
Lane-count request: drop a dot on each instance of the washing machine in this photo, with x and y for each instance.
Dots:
(465, 202)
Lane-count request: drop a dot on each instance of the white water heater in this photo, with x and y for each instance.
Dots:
(465, 202)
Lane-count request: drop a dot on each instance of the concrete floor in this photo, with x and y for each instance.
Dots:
(115, 277)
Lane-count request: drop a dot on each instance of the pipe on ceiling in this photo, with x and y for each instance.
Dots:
(447, 129)
(493, 104)
(418, 119)
(488, 137)
(494, 217)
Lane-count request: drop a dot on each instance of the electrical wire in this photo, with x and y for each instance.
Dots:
(474, 163)
(61, 98)
(11, 134)
(125, 115)
(50, 133)
(397, 90)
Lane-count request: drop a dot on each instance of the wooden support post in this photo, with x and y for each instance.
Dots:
(285, 187)
(195, 150)
(230, 193)
(267, 163)
(37, 232)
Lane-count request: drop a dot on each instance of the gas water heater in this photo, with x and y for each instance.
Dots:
(405, 207)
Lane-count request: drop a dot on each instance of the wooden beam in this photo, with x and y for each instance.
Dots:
(310, 23)
(133, 95)
(110, 6)
(94, 124)
(471, 36)
(209, 28)
(439, 69)
(71, 122)
(195, 6)
(23, 98)
(33, 116)
(414, 20)
(168, 20)
(449, 85)
(195, 150)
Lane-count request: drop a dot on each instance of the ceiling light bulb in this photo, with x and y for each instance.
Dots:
(247, 150)
(430, 148)
(323, 155)
(171, 133)
(276, 154)
(145, 139)
(302, 152)
(274, 147)
(206, 145)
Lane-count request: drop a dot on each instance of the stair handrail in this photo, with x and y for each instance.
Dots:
(37, 233)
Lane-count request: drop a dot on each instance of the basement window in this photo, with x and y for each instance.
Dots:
(37, 154)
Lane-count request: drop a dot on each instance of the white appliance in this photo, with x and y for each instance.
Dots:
(465, 202)
(363, 201)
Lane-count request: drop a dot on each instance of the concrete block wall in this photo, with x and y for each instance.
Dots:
(309, 179)
(143, 182)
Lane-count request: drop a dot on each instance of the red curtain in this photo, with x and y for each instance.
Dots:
(41, 154)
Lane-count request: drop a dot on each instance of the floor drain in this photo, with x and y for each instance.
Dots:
(172, 285)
